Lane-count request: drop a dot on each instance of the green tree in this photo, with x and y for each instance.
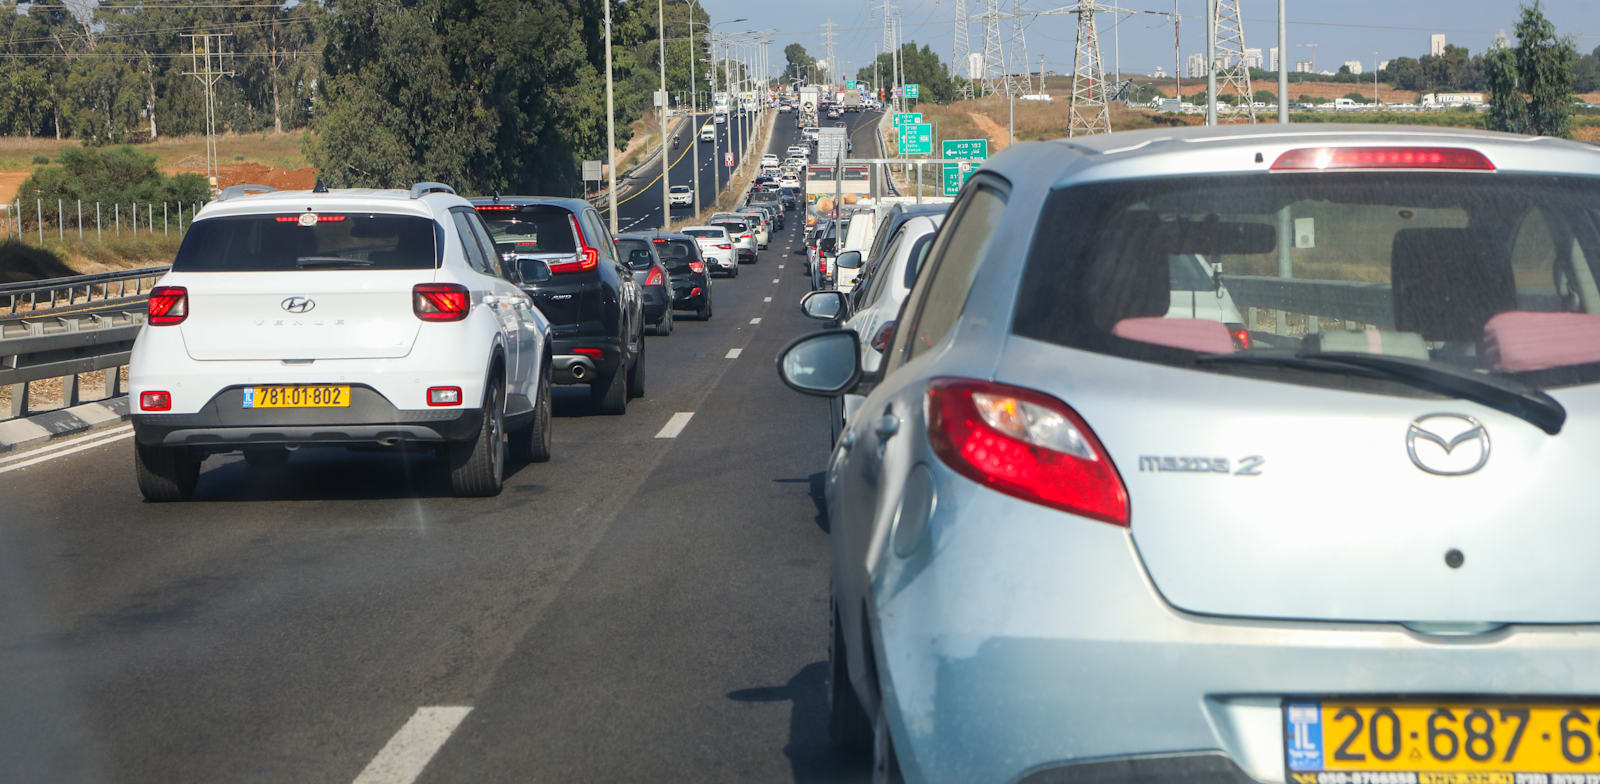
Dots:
(1508, 110)
(919, 66)
(1531, 85)
(797, 64)
(111, 175)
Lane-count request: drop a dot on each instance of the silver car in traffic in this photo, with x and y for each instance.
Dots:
(1086, 528)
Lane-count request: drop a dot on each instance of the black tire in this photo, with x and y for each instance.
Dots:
(704, 313)
(477, 465)
(266, 457)
(609, 395)
(166, 473)
(531, 443)
(735, 272)
(848, 724)
(636, 373)
(664, 326)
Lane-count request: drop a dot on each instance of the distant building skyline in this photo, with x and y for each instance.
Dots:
(1436, 44)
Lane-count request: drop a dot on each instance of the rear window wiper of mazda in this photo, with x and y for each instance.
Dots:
(306, 262)
(1497, 392)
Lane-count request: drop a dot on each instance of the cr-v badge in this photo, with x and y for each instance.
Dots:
(1447, 444)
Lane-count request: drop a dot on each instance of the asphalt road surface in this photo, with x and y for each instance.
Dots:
(650, 605)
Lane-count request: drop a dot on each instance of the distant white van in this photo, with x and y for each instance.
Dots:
(1344, 103)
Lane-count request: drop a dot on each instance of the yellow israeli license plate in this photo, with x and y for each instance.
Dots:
(1406, 742)
(297, 396)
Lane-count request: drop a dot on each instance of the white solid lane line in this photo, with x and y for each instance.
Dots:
(755, 321)
(53, 452)
(405, 755)
(675, 425)
(733, 353)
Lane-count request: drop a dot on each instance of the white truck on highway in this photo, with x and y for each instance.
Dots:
(809, 97)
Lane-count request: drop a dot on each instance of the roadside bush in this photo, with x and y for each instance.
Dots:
(40, 160)
(112, 175)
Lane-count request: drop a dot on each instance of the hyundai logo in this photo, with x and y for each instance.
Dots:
(1447, 444)
(298, 304)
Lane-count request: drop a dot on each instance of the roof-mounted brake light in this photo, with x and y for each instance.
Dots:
(1346, 158)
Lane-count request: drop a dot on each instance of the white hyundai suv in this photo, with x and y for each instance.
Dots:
(346, 318)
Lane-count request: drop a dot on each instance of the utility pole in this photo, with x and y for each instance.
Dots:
(666, 157)
(827, 39)
(1017, 78)
(1177, 54)
(611, 132)
(962, 59)
(716, 155)
(1211, 62)
(1088, 112)
(1283, 65)
(205, 56)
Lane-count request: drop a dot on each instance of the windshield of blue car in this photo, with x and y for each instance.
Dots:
(1494, 273)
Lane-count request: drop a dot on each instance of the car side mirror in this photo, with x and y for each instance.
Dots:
(508, 267)
(825, 364)
(825, 305)
(825, 245)
(850, 259)
(532, 271)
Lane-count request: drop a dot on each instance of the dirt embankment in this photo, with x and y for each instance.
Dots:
(249, 173)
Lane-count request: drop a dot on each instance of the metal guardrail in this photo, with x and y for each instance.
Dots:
(38, 296)
(65, 349)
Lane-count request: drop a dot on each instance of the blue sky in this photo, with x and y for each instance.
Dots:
(1347, 29)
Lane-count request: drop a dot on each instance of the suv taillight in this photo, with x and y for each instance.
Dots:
(725, 246)
(696, 267)
(654, 278)
(168, 305)
(1024, 444)
(588, 256)
(440, 301)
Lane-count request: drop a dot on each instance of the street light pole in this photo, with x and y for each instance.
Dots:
(1283, 65)
(694, 112)
(666, 157)
(611, 131)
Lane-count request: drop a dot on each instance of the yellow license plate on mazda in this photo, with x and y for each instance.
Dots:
(297, 396)
(1445, 742)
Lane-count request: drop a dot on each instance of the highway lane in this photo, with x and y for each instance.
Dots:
(640, 607)
(640, 209)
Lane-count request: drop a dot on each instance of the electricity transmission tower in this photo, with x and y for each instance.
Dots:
(961, 61)
(1018, 81)
(206, 56)
(994, 57)
(1230, 67)
(1088, 112)
(827, 40)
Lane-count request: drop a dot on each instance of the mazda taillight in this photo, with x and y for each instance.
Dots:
(654, 278)
(440, 301)
(695, 266)
(1025, 444)
(588, 256)
(1326, 158)
(168, 305)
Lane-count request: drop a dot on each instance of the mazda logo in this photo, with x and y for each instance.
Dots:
(1447, 444)
(298, 304)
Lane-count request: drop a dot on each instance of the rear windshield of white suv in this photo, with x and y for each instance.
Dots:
(290, 241)
(717, 233)
(1492, 273)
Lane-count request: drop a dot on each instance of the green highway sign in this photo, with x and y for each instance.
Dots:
(957, 174)
(849, 84)
(916, 139)
(911, 90)
(902, 119)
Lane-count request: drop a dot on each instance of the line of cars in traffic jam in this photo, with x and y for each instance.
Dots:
(415, 319)
(1219, 454)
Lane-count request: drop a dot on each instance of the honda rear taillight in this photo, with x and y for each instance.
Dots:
(880, 341)
(440, 301)
(1325, 158)
(1024, 444)
(588, 257)
(168, 305)
(654, 278)
(155, 401)
(695, 266)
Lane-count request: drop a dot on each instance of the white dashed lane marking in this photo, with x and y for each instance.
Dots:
(774, 280)
(675, 425)
(402, 759)
(755, 321)
(766, 299)
(733, 353)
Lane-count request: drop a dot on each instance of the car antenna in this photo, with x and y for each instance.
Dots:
(320, 187)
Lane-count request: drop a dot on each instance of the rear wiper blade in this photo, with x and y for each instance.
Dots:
(1497, 392)
(330, 261)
